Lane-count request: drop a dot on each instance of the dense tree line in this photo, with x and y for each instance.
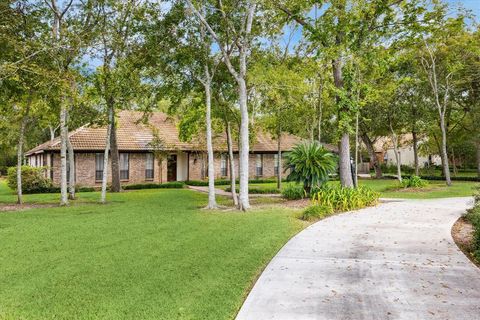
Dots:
(337, 71)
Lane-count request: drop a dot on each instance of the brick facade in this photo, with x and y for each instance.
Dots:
(196, 170)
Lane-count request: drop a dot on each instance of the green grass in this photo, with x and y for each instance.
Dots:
(148, 254)
(387, 189)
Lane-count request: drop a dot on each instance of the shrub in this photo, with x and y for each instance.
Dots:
(33, 180)
(293, 192)
(253, 190)
(167, 185)
(223, 182)
(310, 164)
(413, 182)
(473, 216)
(345, 199)
(316, 212)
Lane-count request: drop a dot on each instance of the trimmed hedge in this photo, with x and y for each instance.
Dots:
(222, 182)
(167, 185)
(435, 178)
(253, 190)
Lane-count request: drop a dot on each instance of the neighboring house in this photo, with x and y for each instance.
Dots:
(386, 154)
(181, 161)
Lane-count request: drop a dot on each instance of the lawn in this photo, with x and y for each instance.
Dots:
(387, 189)
(147, 254)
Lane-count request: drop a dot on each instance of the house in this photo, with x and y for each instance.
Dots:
(385, 153)
(181, 161)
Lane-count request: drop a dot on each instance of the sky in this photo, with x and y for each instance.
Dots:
(473, 5)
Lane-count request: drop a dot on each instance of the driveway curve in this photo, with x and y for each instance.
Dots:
(394, 261)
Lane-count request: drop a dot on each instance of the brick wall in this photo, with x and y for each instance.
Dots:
(85, 168)
(196, 162)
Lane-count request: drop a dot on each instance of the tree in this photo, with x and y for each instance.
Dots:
(24, 73)
(343, 28)
(310, 164)
(118, 79)
(235, 31)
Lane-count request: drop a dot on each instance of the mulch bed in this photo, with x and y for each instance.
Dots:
(462, 233)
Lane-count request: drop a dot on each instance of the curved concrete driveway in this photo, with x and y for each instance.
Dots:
(393, 261)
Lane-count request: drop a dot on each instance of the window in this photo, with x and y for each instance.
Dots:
(124, 166)
(259, 165)
(223, 165)
(99, 166)
(149, 166)
(275, 168)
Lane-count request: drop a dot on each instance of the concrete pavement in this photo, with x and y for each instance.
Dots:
(393, 261)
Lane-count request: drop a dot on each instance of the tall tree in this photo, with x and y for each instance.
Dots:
(234, 32)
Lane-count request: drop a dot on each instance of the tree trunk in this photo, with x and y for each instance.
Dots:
(344, 145)
(478, 157)
(243, 201)
(103, 196)
(454, 163)
(355, 174)
(21, 139)
(415, 152)
(52, 133)
(397, 156)
(444, 155)
(232, 165)
(279, 156)
(116, 186)
(373, 156)
(71, 164)
(63, 156)
(212, 204)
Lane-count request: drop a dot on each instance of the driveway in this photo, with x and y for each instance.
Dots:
(393, 261)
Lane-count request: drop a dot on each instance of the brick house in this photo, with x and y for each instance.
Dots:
(182, 161)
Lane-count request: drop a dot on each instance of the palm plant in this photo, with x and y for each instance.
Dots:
(310, 163)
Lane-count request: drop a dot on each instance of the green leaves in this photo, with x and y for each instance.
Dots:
(310, 163)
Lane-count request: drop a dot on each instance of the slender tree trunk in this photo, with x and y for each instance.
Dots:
(373, 156)
(116, 186)
(355, 175)
(454, 163)
(243, 201)
(103, 196)
(63, 156)
(232, 165)
(320, 112)
(344, 145)
(444, 155)
(279, 156)
(478, 157)
(21, 139)
(52, 133)
(415, 152)
(212, 203)
(71, 164)
(397, 156)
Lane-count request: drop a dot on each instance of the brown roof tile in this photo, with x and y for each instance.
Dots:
(133, 135)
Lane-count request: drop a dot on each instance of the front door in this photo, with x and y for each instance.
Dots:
(172, 167)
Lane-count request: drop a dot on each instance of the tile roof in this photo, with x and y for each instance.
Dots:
(135, 135)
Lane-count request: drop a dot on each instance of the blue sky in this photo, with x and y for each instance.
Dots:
(473, 5)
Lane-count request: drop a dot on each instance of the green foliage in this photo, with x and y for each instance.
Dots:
(317, 212)
(253, 190)
(310, 163)
(414, 182)
(33, 179)
(345, 199)
(167, 185)
(473, 216)
(223, 182)
(293, 192)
